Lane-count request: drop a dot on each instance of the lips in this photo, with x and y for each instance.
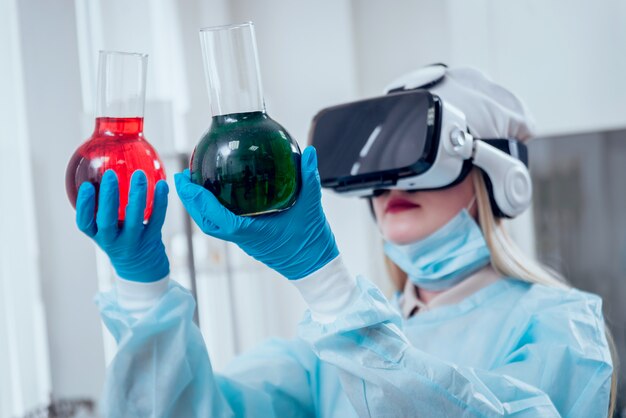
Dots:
(396, 205)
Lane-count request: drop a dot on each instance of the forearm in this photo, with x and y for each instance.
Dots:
(162, 368)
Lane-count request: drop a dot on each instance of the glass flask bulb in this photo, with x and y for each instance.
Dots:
(246, 159)
(117, 142)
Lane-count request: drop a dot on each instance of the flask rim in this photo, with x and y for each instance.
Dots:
(227, 27)
(136, 54)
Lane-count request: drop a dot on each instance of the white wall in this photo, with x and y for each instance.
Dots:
(566, 58)
(66, 263)
(25, 377)
(563, 57)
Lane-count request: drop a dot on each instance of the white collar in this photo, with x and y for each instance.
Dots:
(411, 304)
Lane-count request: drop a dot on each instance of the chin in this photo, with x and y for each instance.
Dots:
(403, 229)
(402, 236)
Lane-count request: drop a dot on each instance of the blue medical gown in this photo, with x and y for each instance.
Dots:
(510, 349)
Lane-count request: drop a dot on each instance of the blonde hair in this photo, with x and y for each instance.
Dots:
(508, 260)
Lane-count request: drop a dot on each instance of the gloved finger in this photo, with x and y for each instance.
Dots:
(309, 162)
(204, 208)
(133, 223)
(85, 208)
(159, 208)
(108, 206)
(310, 175)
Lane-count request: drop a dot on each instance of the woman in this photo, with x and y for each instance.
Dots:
(483, 332)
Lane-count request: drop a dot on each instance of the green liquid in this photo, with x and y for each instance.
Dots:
(249, 162)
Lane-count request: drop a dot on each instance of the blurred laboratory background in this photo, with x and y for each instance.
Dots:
(565, 58)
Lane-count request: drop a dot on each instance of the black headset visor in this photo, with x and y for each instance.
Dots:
(372, 143)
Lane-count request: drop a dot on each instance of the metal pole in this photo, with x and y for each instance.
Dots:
(183, 160)
(231, 299)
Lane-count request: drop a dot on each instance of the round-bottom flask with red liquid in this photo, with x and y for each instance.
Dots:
(117, 144)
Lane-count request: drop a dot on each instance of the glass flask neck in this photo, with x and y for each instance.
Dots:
(121, 85)
(119, 126)
(232, 69)
(239, 117)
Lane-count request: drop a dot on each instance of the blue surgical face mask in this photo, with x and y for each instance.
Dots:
(444, 258)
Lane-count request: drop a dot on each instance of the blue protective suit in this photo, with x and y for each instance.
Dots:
(510, 349)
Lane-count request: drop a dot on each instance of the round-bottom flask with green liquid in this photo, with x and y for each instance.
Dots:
(249, 162)
(246, 159)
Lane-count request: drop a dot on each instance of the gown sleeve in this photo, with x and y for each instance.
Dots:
(560, 367)
(162, 367)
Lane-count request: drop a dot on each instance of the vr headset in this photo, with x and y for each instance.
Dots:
(413, 140)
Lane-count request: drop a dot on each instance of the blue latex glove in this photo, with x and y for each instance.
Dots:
(295, 242)
(135, 249)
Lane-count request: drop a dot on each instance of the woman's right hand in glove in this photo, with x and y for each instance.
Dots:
(135, 249)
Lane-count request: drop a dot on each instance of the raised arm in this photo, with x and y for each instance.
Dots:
(162, 368)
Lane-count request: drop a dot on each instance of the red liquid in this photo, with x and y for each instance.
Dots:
(117, 144)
